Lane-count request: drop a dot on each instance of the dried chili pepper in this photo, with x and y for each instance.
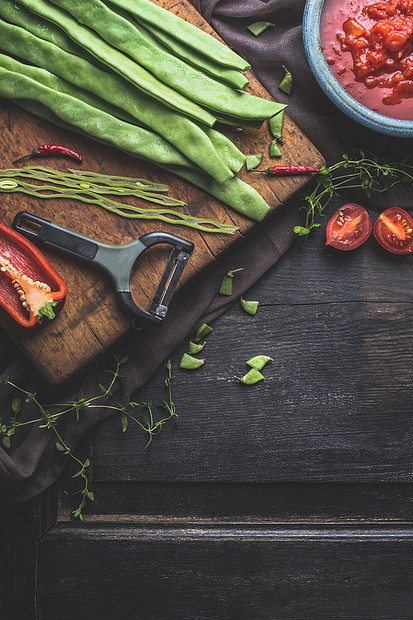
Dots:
(47, 150)
(285, 171)
(30, 289)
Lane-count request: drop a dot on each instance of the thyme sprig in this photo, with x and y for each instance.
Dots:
(358, 170)
(49, 421)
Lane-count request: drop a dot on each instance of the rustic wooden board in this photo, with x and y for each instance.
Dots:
(91, 320)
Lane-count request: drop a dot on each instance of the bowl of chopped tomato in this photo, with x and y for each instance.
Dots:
(361, 54)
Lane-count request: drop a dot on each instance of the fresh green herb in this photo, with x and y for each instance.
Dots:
(286, 84)
(188, 362)
(250, 307)
(226, 283)
(356, 170)
(125, 409)
(253, 161)
(258, 28)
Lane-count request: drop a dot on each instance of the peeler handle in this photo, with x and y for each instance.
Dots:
(153, 238)
(55, 235)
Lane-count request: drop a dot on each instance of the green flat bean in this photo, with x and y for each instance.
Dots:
(209, 150)
(55, 83)
(184, 31)
(20, 16)
(119, 62)
(235, 193)
(130, 138)
(232, 77)
(140, 45)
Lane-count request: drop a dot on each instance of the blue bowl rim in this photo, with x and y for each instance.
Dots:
(333, 89)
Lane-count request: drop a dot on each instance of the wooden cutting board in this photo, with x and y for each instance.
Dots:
(91, 320)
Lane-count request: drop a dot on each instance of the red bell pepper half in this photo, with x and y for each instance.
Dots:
(30, 289)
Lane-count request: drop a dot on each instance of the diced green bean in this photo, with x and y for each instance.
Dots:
(183, 31)
(217, 156)
(140, 45)
(130, 138)
(250, 307)
(252, 377)
(275, 124)
(253, 161)
(275, 150)
(194, 347)
(259, 361)
(286, 84)
(202, 331)
(190, 363)
(258, 28)
(119, 62)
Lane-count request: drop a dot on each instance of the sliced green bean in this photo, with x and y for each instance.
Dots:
(140, 45)
(209, 150)
(183, 31)
(130, 138)
(119, 62)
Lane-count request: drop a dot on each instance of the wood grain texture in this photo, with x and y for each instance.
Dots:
(334, 405)
(91, 320)
(198, 571)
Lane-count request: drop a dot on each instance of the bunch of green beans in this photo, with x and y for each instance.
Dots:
(152, 85)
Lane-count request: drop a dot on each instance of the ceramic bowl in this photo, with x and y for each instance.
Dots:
(333, 89)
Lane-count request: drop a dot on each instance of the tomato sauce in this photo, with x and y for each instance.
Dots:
(369, 48)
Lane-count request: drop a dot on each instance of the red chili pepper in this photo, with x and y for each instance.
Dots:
(45, 150)
(30, 289)
(284, 171)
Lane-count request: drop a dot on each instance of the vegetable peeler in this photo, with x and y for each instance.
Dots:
(117, 260)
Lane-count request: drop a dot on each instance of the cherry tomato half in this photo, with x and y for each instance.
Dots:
(349, 227)
(393, 229)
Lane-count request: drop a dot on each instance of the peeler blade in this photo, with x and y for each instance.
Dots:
(167, 284)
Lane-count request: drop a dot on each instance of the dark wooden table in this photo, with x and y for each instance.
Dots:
(291, 499)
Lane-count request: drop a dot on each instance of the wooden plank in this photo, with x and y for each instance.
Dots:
(91, 320)
(334, 406)
(206, 570)
(296, 502)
